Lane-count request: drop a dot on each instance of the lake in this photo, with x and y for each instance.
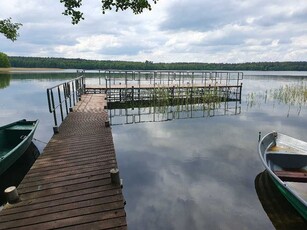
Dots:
(191, 173)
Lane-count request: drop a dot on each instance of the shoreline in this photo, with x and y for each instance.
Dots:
(19, 69)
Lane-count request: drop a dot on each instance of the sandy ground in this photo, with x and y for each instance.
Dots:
(27, 69)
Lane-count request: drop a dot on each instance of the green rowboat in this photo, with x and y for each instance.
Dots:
(285, 159)
(15, 138)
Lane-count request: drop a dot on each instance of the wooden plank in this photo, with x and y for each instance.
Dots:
(294, 176)
(53, 195)
(53, 184)
(69, 186)
(107, 219)
(65, 190)
(106, 203)
(64, 174)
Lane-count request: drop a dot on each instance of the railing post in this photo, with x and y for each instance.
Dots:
(192, 79)
(241, 92)
(168, 78)
(69, 95)
(60, 100)
(126, 80)
(66, 95)
(73, 94)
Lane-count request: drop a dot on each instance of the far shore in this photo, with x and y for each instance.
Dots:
(13, 69)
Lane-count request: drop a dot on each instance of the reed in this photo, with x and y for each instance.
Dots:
(293, 95)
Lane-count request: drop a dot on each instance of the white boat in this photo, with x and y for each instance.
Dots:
(285, 158)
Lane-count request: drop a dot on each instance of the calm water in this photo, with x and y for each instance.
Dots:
(196, 173)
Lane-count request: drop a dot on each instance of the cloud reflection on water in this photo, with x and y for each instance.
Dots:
(188, 179)
(199, 173)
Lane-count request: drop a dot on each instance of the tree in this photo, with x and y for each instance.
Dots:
(4, 61)
(137, 6)
(10, 29)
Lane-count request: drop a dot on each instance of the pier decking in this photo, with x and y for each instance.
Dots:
(69, 186)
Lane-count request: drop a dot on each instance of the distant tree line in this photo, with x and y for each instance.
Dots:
(67, 63)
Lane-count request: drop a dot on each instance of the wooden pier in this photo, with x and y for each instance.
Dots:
(125, 86)
(69, 186)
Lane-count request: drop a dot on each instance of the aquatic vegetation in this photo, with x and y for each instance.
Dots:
(293, 95)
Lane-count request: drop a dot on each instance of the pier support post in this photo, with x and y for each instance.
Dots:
(55, 129)
(11, 195)
(115, 179)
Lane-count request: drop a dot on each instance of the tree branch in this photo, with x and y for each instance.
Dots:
(137, 6)
(9, 29)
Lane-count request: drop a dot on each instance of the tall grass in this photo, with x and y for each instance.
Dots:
(293, 95)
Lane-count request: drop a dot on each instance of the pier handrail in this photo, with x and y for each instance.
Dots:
(64, 95)
(164, 77)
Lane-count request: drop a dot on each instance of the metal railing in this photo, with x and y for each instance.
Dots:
(63, 97)
(143, 85)
(169, 78)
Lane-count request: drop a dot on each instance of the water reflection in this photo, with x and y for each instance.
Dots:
(181, 174)
(43, 76)
(200, 173)
(14, 175)
(5, 79)
(155, 112)
(190, 174)
(276, 206)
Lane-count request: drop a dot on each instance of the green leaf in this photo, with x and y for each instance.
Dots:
(9, 29)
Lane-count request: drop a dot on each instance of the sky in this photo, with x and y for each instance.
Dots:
(212, 31)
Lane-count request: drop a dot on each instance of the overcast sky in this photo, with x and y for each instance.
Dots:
(174, 31)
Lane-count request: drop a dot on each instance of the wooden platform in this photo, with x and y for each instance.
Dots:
(69, 185)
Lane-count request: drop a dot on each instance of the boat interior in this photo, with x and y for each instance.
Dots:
(288, 166)
(11, 137)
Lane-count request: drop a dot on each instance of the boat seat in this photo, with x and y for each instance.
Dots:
(287, 160)
(293, 176)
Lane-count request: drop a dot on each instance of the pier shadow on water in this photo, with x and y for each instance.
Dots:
(279, 210)
(15, 174)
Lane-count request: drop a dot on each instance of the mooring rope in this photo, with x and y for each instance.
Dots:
(40, 141)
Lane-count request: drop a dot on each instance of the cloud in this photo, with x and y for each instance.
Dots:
(174, 31)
